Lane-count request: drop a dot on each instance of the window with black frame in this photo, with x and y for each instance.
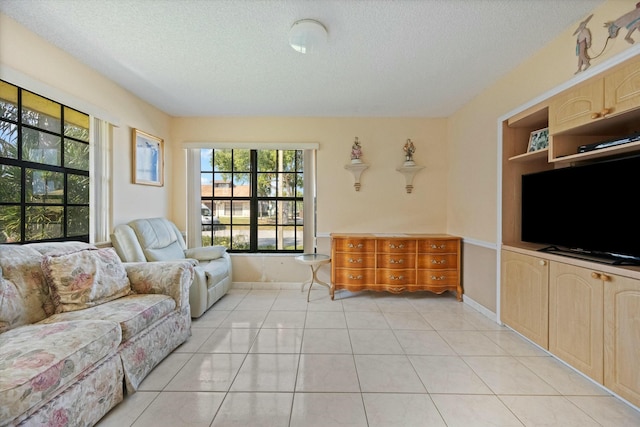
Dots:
(252, 200)
(44, 169)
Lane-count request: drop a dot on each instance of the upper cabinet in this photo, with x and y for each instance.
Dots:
(576, 107)
(614, 93)
(622, 89)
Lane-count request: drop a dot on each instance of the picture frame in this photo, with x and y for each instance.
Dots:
(148, 159)
(538, 140)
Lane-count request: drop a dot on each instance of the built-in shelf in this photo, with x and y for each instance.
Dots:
(534, 155)
(356, 169)
(604, 152)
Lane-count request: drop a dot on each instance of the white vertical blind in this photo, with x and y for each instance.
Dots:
(194, 219)
(100, 221)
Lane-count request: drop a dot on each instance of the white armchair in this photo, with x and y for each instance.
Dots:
(158, 239)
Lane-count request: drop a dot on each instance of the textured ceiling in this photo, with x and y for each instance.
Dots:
(231, 57)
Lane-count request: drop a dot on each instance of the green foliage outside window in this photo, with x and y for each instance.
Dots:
(44, 168)
(255, 199)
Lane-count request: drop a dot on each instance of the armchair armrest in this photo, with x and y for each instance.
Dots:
(172, 278)
(205, 253)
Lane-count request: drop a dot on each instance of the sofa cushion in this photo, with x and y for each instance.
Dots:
(12, 309)
(21, 266)
(85, 279)
(38, 360)
(133, 313)
(60, 248)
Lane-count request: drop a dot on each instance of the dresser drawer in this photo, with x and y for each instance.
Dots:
(353, 276)
(399, 260)
(354, 260)
(445, 261)
(438, 277)
(387, 276)
(396, 245)
(355, 245)
(438, 246)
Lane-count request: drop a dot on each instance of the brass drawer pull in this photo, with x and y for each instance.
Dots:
(358, 277)
(442, 246)
(359, 245)
(393, 261)
(438, 277)
(354, 261)
(441, 262)
(392, 246)
(392, 277)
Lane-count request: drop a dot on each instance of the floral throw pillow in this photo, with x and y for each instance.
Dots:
(85, 279)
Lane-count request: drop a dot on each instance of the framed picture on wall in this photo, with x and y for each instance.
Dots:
(148, 159)
(538, 140)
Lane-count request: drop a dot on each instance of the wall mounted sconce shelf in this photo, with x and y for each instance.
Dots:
(356, 169)
(409, 169)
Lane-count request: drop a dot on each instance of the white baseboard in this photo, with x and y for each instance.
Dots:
(267, 285)
(480, 308)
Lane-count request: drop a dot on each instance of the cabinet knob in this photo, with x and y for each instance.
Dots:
(605, 278)
(603, 113)
(596, 275)
(542, 262)
(354, 261)
(393, 261)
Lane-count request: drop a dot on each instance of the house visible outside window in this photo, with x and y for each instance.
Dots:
(44, 169)
(252, 200)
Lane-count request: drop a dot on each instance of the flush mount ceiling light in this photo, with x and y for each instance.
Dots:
(307, 35)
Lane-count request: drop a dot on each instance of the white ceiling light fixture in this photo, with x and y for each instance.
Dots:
(307, 36)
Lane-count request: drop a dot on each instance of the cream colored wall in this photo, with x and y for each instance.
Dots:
(382, 204)
(49, 71)
(479, 266)
(473, 135)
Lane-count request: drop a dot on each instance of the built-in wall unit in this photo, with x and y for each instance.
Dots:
(570, 254)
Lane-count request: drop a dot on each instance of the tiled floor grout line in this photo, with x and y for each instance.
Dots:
(397, 314)
(304, 331)
(246, 355)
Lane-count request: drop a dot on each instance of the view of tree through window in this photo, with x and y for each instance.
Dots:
(44, 169)
(252, 200)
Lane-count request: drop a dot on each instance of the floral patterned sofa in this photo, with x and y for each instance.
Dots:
(78, 328)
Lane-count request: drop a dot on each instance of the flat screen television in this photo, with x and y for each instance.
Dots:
(590, 211)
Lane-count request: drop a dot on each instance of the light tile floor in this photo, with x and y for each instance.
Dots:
(269, 358)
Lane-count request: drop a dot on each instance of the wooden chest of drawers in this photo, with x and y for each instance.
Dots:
(398, 263)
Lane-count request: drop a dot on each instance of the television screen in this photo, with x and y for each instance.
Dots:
(591, 209)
